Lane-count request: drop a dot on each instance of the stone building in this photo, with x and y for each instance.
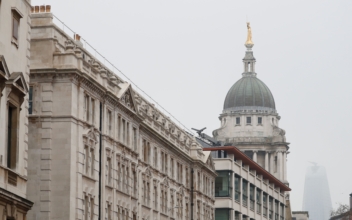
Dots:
(98, 149)
(14, 78)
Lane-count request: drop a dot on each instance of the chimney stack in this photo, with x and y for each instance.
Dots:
(351, 201)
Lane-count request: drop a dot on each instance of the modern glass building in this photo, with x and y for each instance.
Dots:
(244, 190)
(316, 198)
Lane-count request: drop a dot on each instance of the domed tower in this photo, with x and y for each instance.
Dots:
(250, 121)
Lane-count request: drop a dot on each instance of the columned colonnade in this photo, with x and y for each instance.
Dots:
(274, 162)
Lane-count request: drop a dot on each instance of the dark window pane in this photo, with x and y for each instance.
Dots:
(249, 120)
(259, 120)
(30, 100)
(222, 184)
(222, 214)
(238, 120)
(16, 23)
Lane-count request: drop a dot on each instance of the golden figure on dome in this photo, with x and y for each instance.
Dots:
(249, 36)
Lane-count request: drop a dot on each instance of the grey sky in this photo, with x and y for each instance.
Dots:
(187, 55)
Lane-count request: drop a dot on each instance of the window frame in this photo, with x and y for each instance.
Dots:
(15, 34)
(238, 120)
(250, 120)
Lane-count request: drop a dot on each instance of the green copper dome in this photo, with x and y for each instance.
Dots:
(249, 93)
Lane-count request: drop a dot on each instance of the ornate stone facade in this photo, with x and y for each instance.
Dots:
(14, 78)
(99, 149)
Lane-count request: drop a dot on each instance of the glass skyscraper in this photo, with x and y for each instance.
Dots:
(316, 198)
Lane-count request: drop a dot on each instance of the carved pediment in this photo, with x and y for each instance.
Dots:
(166, 182)
(4, 71)
(210, 163)
(148, 172)
(126, 96)
(18, 82)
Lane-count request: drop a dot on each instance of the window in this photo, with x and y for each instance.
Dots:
(172, 167)
(155, 157)
(134, 176)
(276, 210)
(146, 151)
(108, 171)
(135, 138)
(271, 208)
(109, 123)
(265, 204)
(223, 184)
(259, 200)
(128, 134)
(282, 213)
(251, 197)
(108, 214)
(123, 131)
(238, 120)
(16, 16)
(223, 214)
(89, 107)
(259, 120)
(237, 188)
(244, 193)
(12, 139)
(249, 120)
(155, 197)
(30, 100)
(119, 127)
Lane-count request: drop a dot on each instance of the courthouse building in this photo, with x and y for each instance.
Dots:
(98, 149)
(14, 78)
(249, 151)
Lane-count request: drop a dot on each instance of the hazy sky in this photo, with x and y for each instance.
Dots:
(187, 55)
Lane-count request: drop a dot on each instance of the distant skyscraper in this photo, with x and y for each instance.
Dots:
(316, 198)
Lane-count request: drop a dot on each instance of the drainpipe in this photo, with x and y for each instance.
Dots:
(100, 155)
(192, 189)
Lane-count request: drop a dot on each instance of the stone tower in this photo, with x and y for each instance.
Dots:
(250, 121)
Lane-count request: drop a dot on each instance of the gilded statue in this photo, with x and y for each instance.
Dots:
(249, 35)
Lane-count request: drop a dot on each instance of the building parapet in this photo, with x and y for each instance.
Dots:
(70, 53)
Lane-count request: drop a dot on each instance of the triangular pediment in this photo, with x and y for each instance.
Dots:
(4, 71)
(17, 81)
(126, 96)
(209, 160)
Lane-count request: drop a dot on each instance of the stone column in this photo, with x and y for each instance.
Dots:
(272, 155)
(279, 165)
(255, 156)
(266, 163)
(284, 165)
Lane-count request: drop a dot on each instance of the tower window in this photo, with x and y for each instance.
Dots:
(260, 120)
(249, 120)
(238, 120)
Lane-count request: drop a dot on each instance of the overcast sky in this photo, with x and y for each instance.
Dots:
(187, 55)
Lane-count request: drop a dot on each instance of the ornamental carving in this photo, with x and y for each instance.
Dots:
(127, 100)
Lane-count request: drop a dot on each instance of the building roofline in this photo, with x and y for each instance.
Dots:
(253, 165)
